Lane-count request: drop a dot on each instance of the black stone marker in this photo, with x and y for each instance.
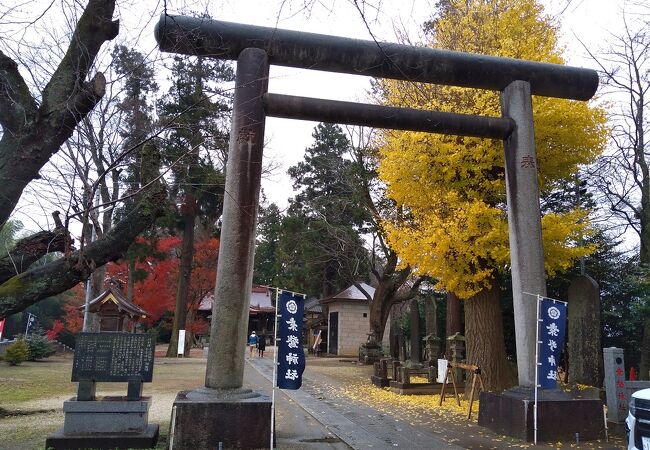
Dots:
(113, 357)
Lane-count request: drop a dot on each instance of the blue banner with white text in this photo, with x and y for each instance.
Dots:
(291, 356)
(551, 332)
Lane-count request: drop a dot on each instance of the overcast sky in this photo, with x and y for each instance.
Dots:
(589, 20)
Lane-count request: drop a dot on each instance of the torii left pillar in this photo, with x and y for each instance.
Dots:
(224, 413)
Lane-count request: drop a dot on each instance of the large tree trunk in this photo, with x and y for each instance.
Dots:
(453, 323)
(388, 293)
(34, 131)
(645, 263)
(184, 275)
(378, 314)
(484, 338)
(644, 218)
(380, 305)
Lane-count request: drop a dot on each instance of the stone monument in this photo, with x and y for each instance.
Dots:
(414, 313)
(432, 349)
(585, 361)
(456, 344)
(614, 364)
(109, 422)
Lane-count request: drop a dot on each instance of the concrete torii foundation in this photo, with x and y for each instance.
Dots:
(223, 411)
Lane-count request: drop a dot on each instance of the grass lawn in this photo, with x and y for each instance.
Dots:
(33, 380)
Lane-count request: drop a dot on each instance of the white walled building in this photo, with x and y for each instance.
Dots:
(348, 323)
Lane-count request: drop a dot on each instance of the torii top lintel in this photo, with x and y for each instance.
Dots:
(225, 40)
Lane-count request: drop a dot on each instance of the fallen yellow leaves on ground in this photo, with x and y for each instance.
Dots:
(417, 380)
(414, 406)
(351, 387)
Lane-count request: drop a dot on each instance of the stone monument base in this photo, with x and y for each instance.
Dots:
(61, 441)
(379, 381)
(107, 415)
(560, 416)
(108, 423)
(370, 353)
(203, 418)
(418, 388)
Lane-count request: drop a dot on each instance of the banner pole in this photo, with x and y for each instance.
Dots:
(29, 318)
(536, 372)
(275, 366)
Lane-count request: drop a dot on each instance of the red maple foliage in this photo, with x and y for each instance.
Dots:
(57, 327)
(155, 292)
(74, 317)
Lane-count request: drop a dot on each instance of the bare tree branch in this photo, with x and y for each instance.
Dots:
(66, 100)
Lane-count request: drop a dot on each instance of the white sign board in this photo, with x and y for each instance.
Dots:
(181, 342)
(442, 370)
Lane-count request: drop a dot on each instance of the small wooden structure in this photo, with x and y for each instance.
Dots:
(476, 376)
(114, 311)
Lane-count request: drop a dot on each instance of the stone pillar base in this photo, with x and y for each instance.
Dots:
(202, 418)
(559, 416)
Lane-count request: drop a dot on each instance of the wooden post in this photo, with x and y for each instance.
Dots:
(444, 385)
(476, 375)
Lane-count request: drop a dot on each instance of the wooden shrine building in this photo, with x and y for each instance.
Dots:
(114, 312)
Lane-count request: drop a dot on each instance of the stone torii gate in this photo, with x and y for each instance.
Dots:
(255, 48)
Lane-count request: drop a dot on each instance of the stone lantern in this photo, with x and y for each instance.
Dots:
(457, 348)
(371, 351)
(432, 346)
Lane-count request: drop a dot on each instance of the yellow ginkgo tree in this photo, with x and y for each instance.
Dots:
(453, 188)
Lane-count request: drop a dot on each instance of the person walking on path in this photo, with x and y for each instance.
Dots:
(252, 343)
(261, 345)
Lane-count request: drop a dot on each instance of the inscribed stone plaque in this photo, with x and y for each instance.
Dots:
(113, 356)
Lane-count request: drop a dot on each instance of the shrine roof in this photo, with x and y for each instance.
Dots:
(352, 293)
(115, 295)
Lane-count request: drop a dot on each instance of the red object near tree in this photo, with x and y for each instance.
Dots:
(632, 374)
(57, 327)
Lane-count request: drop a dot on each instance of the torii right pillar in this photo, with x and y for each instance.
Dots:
(524, 224)
(511, 412)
